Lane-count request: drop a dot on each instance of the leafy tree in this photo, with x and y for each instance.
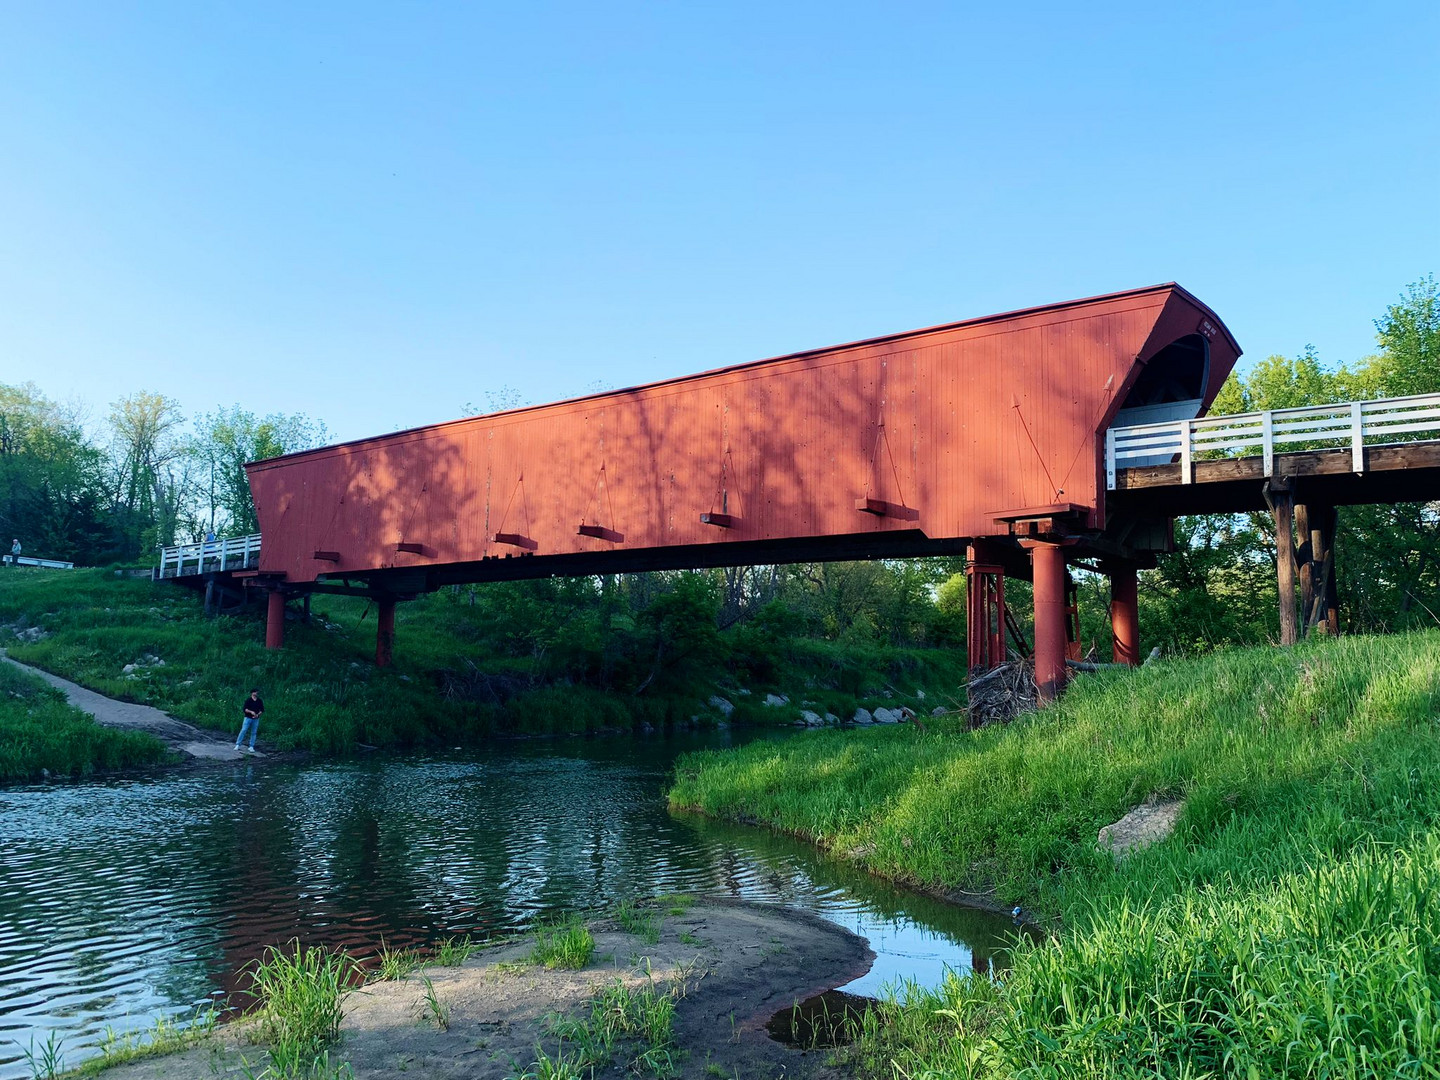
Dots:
(224, 441)
(150, 468)
(1409, 335)
(1278, 382)
(52, 491)
(1387, 556)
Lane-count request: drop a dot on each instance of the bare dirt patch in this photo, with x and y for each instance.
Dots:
(730, 966)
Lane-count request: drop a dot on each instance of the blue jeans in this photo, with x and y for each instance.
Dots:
(250, 726)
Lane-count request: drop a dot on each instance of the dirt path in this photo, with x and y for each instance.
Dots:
(730, 967)
(186, 738)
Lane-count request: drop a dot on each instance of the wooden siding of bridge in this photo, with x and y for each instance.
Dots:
(980, 416)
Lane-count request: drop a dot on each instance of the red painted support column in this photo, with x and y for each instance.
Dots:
(1125, 614)
(275, 620)
(385, 633)
(1047, 564)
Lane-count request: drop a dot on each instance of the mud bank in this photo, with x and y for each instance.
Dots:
(729, 966)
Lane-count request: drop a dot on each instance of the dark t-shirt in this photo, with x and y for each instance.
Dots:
(255, 705)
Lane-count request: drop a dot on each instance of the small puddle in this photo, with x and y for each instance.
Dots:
(829, 1019)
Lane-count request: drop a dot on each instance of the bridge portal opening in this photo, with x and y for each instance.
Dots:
(1171, 386)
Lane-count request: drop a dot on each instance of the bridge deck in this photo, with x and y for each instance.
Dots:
(235, 554)
(1406, 472)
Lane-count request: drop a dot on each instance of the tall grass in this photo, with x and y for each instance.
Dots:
(567, 944)
(395, 964)
(1334, 971)
(300, 998)
(643, 1017)
(644, 923)
(41, 732)
(452, 951)
(1289, 928)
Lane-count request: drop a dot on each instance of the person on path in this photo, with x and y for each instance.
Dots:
(15, 552)
(252, 709)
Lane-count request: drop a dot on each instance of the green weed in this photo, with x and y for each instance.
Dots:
(641, 922)
(567, 944)
(452, 952)
(559, 1067)
(395, 964)
(48, 1061)
(644, 1016)
(300, 997)
(432, 1009)
(164, 1036)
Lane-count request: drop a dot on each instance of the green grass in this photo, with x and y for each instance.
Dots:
(562, 1066)
(1289, 928)
(323, 693)
(46, 1061)
(567, 944)
(41, 732)
(452, 952)
(164, 1036)
(432, 1009)
(675, 903)
(637, 920)
(641, 1017)
(395, 964)
(300, 997)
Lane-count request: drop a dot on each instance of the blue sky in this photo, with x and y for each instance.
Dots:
(374, 214)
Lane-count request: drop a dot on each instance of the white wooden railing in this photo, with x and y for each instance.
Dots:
(1352, 424)
(45, 564)
(236, 553)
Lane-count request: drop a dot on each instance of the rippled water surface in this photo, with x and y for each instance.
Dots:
(124, 901)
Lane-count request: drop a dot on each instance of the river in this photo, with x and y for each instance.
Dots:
(122, 901)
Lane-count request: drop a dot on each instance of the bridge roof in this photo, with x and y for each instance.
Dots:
(1018, 315)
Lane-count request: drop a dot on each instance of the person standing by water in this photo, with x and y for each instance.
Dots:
(252, 709)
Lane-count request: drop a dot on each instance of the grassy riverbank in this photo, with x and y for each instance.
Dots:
(40, 732)
(527, 661)
(1289, 927)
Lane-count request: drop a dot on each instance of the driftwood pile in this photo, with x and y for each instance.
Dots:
(1002, 693)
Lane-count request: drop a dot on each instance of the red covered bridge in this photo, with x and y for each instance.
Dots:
(986, 436)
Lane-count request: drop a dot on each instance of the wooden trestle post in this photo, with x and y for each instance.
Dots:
(275, 620)
(1319, 596)
(1304, 565)
(1283, 500)
(1125, 613)
(385, 632)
